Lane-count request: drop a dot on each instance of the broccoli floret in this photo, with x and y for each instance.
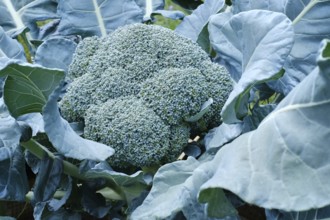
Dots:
(83, 55)
(176, 94)
(135, 89)
(140, 138)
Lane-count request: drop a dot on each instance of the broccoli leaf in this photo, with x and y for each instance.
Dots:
(274, 166)
(175, 189)
(62, 213)
(313, 214)
(310, 19)
(222, 135)
(192, 25)
(175, 15)
(9, 49)
(48, 178)
(247, 5)
(94, 17)
(27, 87)
(10, 132)
(131, 185)
(65, 139)
(255, 44)
(17, 15)
(55, 53)
(308, 31)
(13, 181)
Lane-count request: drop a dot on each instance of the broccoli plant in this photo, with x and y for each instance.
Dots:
(136, 89)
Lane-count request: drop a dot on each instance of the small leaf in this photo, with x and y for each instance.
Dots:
(204, 109)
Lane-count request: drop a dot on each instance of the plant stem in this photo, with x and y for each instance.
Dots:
(68, 168)
(40, 151)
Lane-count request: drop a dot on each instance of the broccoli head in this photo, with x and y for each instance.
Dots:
(135, 89)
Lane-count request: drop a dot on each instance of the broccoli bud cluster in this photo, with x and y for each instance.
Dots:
(135, 88)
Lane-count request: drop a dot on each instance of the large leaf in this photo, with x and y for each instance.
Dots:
(55, 53)
(314, 214)
(175, 189)
(65, 139)
(16, 14)
(99, 17)
(192, 25)
(288, 155)
(278, 6)
(310, 29)
(27, 87)
(255, 44)
(310, 19)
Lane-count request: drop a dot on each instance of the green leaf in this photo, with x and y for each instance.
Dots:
(27, 87)
(218, 204)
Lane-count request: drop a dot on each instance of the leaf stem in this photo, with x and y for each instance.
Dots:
(68, 168)
(40, 151)
(310, 5)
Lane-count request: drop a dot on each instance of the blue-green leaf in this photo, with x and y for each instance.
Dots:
(310, 21)
(175, 189)
(10, 49)
(287, 155)
(55, 53)
(94, 17)
(255, 44)
(221, 135)
(13, 182)
(192, 25)
(16, 15)
(313, 214)
(48, 178)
